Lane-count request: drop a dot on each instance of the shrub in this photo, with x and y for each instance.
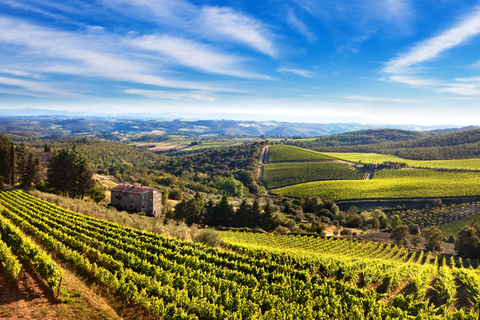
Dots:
(210, 237)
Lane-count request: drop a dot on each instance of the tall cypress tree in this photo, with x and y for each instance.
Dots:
(5, 163)
(12, 164)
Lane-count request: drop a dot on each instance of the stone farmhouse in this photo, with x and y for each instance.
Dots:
(43, 157)
(130, 197)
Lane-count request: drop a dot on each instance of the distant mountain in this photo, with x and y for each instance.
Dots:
(70, 124)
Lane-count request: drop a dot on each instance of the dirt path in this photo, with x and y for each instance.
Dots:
(34, 300)
(263, 161)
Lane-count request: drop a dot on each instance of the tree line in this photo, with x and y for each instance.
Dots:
(222, 213)
(406, 144)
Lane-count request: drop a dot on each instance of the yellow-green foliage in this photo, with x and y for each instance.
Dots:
(463, 164)
(277, 175)
(281, 153)
(391, 183)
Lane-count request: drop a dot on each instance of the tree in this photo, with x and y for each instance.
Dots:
(96, 193)
(221, 214)
(69, 173)
(400, 235)
(33, 171)
(231, 187)
(395, 222)
(191, 210)
(433, 237)
(5, 163)
(269, 219)
(468, 241)
(12, 164)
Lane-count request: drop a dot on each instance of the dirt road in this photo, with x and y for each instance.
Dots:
(263, 161)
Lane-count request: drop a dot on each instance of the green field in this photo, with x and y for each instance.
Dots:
(282, 153)
(390, 183)
(463, 164)
(278, 175)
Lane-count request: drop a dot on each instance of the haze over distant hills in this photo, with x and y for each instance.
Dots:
(200, 123)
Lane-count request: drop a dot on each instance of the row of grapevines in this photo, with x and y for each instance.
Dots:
(40, 261)
(342, 261)
(182, 289)
(281, 153)
(10, 264)
(278, 175)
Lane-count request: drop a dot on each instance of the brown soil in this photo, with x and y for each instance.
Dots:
(34, 300)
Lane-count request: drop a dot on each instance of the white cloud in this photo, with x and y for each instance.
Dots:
(431, 48)
(235, 25)
(300, 27)
(19, 73)
(37, 87)
(462, 89)
(413, 81)
(300, 72)
(47, 50)
(213, 23)
(196, 55)
(368, 98)
(173, 95)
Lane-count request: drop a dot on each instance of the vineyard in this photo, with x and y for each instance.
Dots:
(368, 264)
(278, 175)
(173, 279)
(459, 164)
(389, 183)
(283, 153)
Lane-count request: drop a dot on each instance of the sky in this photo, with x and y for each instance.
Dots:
(383, 61)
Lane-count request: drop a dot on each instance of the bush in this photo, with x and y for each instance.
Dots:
(209, 237)
(175, 194)
(451, 239)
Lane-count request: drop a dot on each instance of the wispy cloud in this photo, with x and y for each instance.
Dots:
(412, 81)
(462, 89)
(368, 98)
(36, 87)
(174, 95)
(236, 26)
(206, 58)
(300, 26)
(300, 72)
(431, 48)
(213, 23)
(354, 22)
(48, 50)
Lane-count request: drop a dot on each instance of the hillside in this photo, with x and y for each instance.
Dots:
(406, 144)
(252, 276)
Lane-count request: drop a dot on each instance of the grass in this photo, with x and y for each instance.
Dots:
(282, 153)
(389, 183)
(278, 175)
(462, 164)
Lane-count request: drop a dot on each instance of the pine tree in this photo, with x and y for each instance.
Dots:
(223, 213)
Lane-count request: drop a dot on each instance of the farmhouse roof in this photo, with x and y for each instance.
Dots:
(39, 154)
(129, 188)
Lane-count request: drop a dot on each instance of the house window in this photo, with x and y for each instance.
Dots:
(131, 198)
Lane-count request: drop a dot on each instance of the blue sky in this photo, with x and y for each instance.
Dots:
(391, 61)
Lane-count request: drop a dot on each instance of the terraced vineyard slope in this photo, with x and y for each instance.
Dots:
(391, 183)
(179, 280)
(283, 153)
(375, 265)
(278, 175)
